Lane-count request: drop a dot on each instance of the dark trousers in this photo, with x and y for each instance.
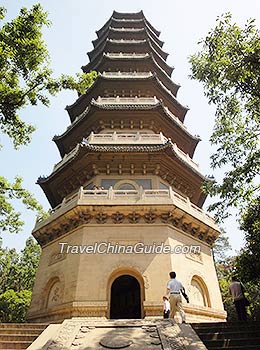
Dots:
(241, 309)
(166, 314)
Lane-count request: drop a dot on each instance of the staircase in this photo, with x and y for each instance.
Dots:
(19, 335)
(229, 335)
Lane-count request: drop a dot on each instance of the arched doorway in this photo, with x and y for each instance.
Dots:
(125, 298)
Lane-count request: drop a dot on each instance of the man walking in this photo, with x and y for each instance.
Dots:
(237, 292)
(174, 288)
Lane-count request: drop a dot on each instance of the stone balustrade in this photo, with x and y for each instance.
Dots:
(126, 54)
(134, 74)
(126, 138)
(126, 100)
(130, 197)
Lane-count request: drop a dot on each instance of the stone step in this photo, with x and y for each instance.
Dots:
(18, 337)
(13, 344)
(227, 343)
(229, 335)
(29, 331)
(224, 325)
(249, 347)
(24, 325)
(232, 328)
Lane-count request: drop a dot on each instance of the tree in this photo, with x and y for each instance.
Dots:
(18, 270)
(25, 79)
(228, 67)
(248, 261)
(220, 247)
(14, 305)
(17, 275)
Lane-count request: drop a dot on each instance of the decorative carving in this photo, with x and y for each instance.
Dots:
(65, 334)
(134, 217)
(85, 217)
(150, 217)
(55, 294)
(186, 227)
(101, 218)
(56, 257)
(196, 256)
(117, 218)
(166, 217)
(146, 282)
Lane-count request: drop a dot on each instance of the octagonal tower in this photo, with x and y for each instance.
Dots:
(126, 179)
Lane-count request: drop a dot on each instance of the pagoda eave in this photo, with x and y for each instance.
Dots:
(80, 161)
(114, 31)
(165, 70)
(130, 44)
(101, 84)
(94, 111)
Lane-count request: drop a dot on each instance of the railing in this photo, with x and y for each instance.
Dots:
(127, 54)
(127, 74)
(127, 138)
(126, 100)
(127, 41)
(130, 197)
(117, 138)
(127, 29)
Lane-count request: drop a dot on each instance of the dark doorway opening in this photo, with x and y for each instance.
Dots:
(125, 298)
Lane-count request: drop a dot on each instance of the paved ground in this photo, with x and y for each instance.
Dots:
(97, 334)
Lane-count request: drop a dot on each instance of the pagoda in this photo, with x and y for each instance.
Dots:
(126, 188)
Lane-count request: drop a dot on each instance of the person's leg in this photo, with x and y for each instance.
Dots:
(166, 314)
(243, 313)
(238, 309)
(180, 309)
(173, 302)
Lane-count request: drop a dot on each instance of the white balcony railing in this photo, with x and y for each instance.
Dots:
(126, 100)
(126, 54)
(127, 74)
(129, 197)
(125, 138)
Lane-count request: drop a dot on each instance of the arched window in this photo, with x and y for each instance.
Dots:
(126, 185)
(199, 292)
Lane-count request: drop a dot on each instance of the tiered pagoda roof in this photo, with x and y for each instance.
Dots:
(132, 93)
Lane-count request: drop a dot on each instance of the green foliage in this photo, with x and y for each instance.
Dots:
(225, 269)
(25, 76)
(252, 293)
(14, 305)
(17, 275)
(9, 218)
(26, 79)
(248, 261)
(17, 271)
(221, 247)
(228, 67)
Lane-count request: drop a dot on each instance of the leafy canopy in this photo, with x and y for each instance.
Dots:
(228, 66)
(26, 79)
(248, 261)
(18, 270)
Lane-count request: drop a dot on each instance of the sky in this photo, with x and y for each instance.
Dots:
(182, 24)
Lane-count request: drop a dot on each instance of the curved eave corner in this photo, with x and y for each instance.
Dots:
(69, 108)
(100, 31)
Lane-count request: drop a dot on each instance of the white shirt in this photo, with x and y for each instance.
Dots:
(174, 285)
(166, 305)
